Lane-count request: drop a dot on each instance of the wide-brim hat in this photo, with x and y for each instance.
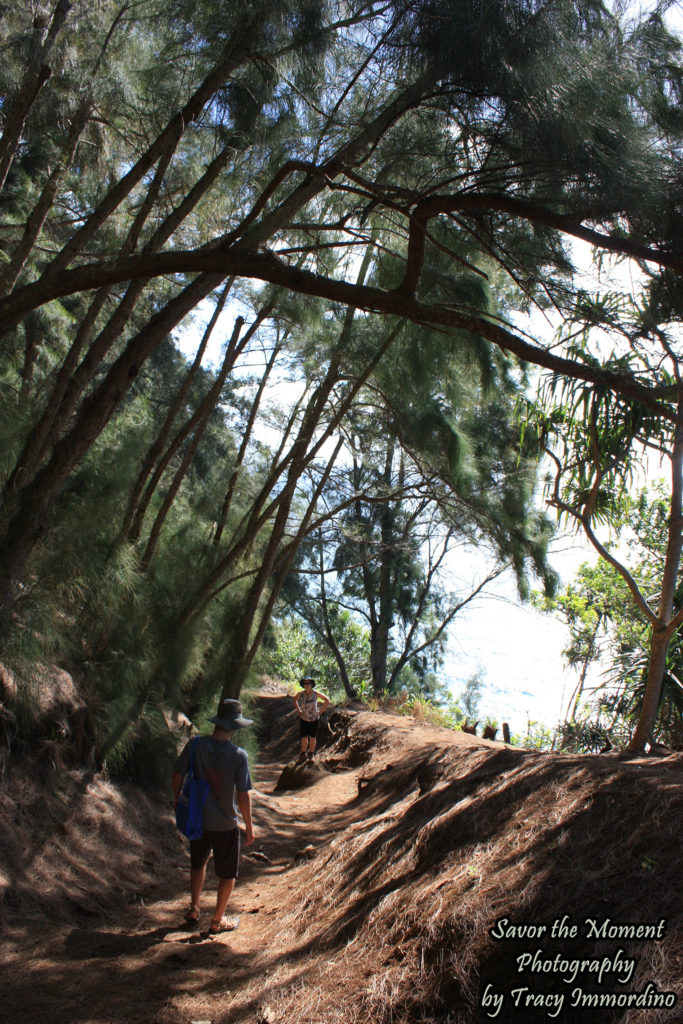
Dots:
(230, 715)
(306, 679)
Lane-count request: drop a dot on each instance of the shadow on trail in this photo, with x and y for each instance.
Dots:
(412, 869)
(141, 992)
(93, 944)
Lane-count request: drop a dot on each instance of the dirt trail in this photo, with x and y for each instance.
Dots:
(421, 838)
(143, 965)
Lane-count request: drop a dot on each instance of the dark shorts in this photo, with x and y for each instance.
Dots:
(226, 852)
(308, 728)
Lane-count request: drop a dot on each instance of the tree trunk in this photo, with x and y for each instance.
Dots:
(201, 420)
(349, 689)
(37, 74)
(38, 215)
(246, 437)
(197, 423)
(73, 379)
(379, 636)
(244, 649)
(284, 559)
(663, 631)
(578, 692)
(156, 449)
(327, 631)
(653, 691)
(234, 55)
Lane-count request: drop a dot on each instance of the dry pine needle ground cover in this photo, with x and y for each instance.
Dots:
(371, 893)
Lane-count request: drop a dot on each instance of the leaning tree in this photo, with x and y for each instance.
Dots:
(150, 152)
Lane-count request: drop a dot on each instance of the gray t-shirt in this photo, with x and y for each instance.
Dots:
(226, 768)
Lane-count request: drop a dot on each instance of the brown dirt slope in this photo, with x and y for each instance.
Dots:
(372, 892)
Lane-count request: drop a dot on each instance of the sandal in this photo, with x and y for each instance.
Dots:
(192, 915)
(226, 924)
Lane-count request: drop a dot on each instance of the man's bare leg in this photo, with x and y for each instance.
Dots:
(197, 876)
(223, 894)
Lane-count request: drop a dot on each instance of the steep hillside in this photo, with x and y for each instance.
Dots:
(453, 835)
(393, 886)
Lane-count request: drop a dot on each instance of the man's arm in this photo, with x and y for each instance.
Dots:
(323, 697)
(296, 704)
(177, 783)
(180, 770)
(244, 804)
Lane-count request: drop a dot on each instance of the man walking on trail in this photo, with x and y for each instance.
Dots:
(306, 704)
(226, 768)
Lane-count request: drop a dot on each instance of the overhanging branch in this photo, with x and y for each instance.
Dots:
(265, 267)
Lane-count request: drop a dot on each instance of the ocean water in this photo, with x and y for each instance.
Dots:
(517, 649)
(518, 652)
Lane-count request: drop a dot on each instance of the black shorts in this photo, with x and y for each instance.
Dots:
(308, 728)
(226, 852)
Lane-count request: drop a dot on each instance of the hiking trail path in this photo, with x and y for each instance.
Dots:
(146, 965)
(369, 895)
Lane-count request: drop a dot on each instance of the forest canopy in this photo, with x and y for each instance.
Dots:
(369, 193)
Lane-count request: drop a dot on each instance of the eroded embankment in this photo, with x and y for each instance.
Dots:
(75, 844)
(451, 837)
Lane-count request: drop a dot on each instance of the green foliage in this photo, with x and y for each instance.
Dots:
(582, 737)
(143, 536)
(608, 630)
(470, 697)
(93, 609)
(289, 652)
(537, 737)
(292, 650)
(446, 713)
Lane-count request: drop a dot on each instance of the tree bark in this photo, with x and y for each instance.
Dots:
(234, 55)
(328, 634)
(72, 380)
(201, 420)
(381, 631)
(37, 74)
(659, 646)
(246, 437)
(280, 567)
(265, 267)
(38, 215)
(156, 449)
(239, 661)
(667, 622)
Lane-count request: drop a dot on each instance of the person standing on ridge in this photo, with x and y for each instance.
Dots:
(226, 768)
(306, 704)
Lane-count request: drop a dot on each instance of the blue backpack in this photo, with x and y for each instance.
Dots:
(190, 807)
